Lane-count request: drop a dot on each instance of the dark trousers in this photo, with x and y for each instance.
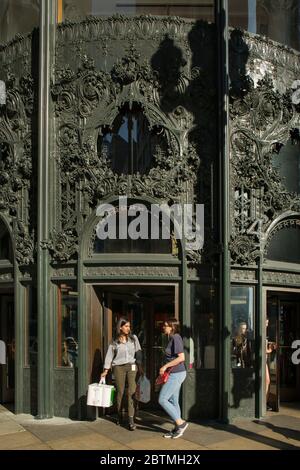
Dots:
(122, 373)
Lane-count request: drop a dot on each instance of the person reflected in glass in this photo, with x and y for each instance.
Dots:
(169, 393)
(241, 345)
(70, 352)
(124, 356)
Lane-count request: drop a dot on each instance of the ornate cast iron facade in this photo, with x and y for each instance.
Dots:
(165, 68)
(149, 62)
(18, 146)
(263, 118)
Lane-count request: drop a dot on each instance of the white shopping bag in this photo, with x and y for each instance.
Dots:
(100, 394)
(94, 397)
(143, 390)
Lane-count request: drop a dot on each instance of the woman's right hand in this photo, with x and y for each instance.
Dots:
(104, 374)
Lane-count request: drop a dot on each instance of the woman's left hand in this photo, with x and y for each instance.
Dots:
(162, 370)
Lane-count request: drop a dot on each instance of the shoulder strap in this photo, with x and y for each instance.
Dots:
(115, 349)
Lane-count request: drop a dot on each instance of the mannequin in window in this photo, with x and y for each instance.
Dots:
(241, 345)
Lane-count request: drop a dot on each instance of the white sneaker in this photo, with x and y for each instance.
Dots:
(169, 434)
(180, 430)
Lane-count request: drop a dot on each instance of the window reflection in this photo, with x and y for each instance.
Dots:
(130, 145)
(285, 245)
(242, 330)
(193, 9)
(277, 19)
(287, 163)
(68, 326)
(17, 16)
(144, 244)
(203, 304)
(31, 352)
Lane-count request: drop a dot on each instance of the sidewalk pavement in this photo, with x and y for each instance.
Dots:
(24, 432)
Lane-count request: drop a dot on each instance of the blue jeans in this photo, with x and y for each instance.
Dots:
(169, 395)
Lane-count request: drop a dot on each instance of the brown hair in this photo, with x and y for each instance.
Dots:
(174, 324)
(121, 322)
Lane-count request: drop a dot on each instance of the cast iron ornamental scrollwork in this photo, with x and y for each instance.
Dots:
(17, 147)
(262, 121)
(87, 99)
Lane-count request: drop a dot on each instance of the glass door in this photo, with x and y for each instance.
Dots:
(272, 358)
(146, 307)
(289, 330)
(284, 327)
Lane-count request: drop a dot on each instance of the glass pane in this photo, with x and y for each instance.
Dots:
(277, 19)
(147, 308)
(287, 163)
(193, 9)
(242, 330)
(130, 146)
(130, 245)
(204, 334)
(6, 253)
(17, 16)
(289, 331)
(31, 358)
(68, 326)
(285, 245)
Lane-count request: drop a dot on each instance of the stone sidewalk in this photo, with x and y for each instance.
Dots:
(23, 432)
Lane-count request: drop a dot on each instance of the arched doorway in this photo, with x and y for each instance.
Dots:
(7, 318)
(139, 279)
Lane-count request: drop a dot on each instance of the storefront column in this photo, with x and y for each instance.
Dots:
(45, 349)
(20, 326)
(186, 327)
(260, 335)
(221, 15)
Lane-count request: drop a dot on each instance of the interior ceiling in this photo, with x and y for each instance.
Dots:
(139, 291)
(5, 290)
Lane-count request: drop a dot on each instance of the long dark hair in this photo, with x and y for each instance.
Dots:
(121, 322)
(174, 324)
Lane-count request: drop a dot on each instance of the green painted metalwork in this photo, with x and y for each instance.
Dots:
(166, 68)
(45, 313)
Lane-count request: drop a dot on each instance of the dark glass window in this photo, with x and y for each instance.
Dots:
(204, 328)
(242, 331)
(193, 9)
(277, 19)
(31, 343)
(287, 162)
(6, 253)
(285, 245)
(139, 245)
(17, 16)
(67, 326)
(129, 146)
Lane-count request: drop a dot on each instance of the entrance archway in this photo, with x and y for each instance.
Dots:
(138, 278)
(146, 306)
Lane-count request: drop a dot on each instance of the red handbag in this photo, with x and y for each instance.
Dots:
(162, 379)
